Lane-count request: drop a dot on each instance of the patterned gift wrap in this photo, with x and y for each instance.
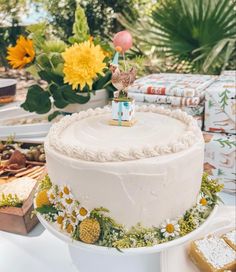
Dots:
(220, 155)
(229, 73)
(165, 99)
(170, 84)
(123, 111)
(220, 106)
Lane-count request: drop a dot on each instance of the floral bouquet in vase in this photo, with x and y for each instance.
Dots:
(76, 72)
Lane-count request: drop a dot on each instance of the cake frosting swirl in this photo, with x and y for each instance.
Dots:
(65, 136)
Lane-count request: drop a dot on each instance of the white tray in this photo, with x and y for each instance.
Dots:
(24, 131)
(177, 257)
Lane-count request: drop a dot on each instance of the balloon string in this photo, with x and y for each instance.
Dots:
(125, 62)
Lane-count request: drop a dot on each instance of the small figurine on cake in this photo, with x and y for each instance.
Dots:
(123, 107)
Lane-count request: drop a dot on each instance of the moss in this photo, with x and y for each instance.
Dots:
(10, 201)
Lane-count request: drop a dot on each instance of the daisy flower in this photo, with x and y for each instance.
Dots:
(82, 214)
(52, 195)
(202, 202)
(170, 228)
(60, 218)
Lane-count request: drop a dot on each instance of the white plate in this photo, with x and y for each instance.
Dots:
(36, 130)
(177, 257)
(131, 251)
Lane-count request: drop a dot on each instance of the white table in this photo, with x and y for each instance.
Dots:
(40, 251)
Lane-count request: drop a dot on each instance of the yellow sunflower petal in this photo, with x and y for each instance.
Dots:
(83, 62)
(21, 54)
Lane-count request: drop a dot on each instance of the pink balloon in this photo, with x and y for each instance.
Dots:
(123, 39)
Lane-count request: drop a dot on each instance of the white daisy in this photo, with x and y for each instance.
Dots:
(65, 189)
(202, 202)
(60, 218)
(52, 195)
(170, 228)
(82, 214)
(68, 202)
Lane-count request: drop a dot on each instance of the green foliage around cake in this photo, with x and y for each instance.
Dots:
(45, 183)
(10, 200)
(68, 214)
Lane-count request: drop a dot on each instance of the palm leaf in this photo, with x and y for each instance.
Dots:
(199, 33)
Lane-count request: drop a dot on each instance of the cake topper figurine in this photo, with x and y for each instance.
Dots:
(122, 105)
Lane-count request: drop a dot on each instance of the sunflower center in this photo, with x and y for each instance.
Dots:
(203, 202)
(170, 228)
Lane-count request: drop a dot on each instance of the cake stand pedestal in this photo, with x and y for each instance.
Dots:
(114, 263)
(91, 258)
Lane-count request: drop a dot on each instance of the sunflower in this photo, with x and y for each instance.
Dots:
(83, 62)
(21, 54)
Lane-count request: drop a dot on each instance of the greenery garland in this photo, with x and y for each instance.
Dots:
(109, 233)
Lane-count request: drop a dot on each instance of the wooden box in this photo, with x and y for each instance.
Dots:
(19, 220)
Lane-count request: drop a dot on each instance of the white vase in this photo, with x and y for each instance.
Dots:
(98, 99)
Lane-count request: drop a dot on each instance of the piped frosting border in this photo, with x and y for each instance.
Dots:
(188, 138)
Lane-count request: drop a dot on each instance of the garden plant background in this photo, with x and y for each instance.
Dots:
(197, 36)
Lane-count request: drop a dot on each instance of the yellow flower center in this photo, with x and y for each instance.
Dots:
(83, 212)
(69, 200)
(73, 219)
(66, 190)
(61, 194)
(170, 228)
(60, 219)
(203, 202)
(52, 196)
(69, 228)
(74, 213)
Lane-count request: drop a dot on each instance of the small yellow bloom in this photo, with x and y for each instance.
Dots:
(61, 194)
(69, 228)
(83, 211)
(66, 190)
(69, 200)
(21, 54)
(83, 62)
(203, 201)
(60, 219)
(42, 199)
(170, 228)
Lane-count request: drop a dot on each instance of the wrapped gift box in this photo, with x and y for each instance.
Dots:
(166, 99)
(123, 110)
(229, 73)
(171, 84)
(220, 106)
(220, 155)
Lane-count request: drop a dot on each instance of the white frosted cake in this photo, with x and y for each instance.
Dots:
(142, 174)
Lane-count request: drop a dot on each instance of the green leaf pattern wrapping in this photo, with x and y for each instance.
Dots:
(224, 98)
(226, 143)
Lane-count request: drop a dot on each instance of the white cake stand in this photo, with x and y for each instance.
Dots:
(92, 258)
